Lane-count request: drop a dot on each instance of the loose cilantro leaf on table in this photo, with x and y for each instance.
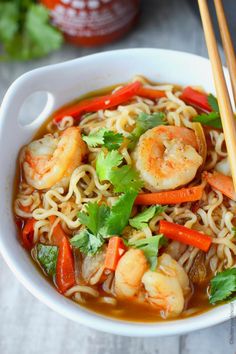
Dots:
(223, 286)
(150, 247)
(25, 30)
(104, 137)
(47, 257)
(123, 178)
(144, 122)
(141, 220)
(211, 119)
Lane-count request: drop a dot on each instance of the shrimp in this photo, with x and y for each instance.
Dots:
(164, 293)
(165, 288)
(166, 157)
(129, 273)
(49, 160)
(221, 183)
(172, 268)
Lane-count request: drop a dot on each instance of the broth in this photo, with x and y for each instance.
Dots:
(125, 309)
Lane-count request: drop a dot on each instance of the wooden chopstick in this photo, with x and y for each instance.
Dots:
(227, 44)
(226, 111)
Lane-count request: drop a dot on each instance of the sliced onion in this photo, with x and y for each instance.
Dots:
(201, 141)
(223, 167)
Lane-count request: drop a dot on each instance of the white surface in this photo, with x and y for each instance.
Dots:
(26, 325)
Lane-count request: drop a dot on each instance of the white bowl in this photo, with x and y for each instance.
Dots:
(64, 82)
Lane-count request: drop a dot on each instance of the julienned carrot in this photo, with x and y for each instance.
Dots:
(27, 234)
(150, 93)
(115, 250)
(184, 235)
(190, 194)
(196, 98)
(65, 274)
(222, 183)
(58, 233)
(122, 95)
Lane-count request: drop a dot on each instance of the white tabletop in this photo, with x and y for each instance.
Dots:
(28, 326)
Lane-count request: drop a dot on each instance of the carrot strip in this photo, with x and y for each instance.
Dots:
(222, 183)
(196, 98)
(182, 195)
(115, 250)
(184, 235)
(122, 95)
(150, 93)
(65, 275)
(58, 233)
(27, 234)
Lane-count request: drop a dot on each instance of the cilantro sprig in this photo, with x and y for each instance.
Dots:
(25, 30)
(211, 119)
(87, 242)
(223, 286)
(123, 178)
(104, 138)
(141, 220)
(150, 247)
(47, 257)
(102, 222)
(144, 122)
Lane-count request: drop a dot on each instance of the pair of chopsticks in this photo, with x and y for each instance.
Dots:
(226, 111)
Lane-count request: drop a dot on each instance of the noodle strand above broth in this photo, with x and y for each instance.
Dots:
(100, 180)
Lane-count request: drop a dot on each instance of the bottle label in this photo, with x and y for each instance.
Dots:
(88, 18)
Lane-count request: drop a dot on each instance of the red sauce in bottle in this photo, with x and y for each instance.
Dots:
(93, 22)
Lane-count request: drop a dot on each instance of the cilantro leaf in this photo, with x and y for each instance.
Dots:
(144, 122)
(104, 137)
(106, 164)
(119, 215)
(47, 257)
(95, 139)
(223, 286)
(112, 140)
(148, 121)
(94, 217)
(25, 30)
(103, 222)
(9, 15)
(125, 177)
(212, 100)
(87, 242)
(212, 119)
(140, 221)
(150, 247)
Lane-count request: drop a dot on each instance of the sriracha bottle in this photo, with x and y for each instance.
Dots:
(93, 22)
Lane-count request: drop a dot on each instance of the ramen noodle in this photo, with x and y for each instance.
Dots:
(126, 202)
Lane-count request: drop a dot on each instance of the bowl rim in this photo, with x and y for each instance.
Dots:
(87, 317)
